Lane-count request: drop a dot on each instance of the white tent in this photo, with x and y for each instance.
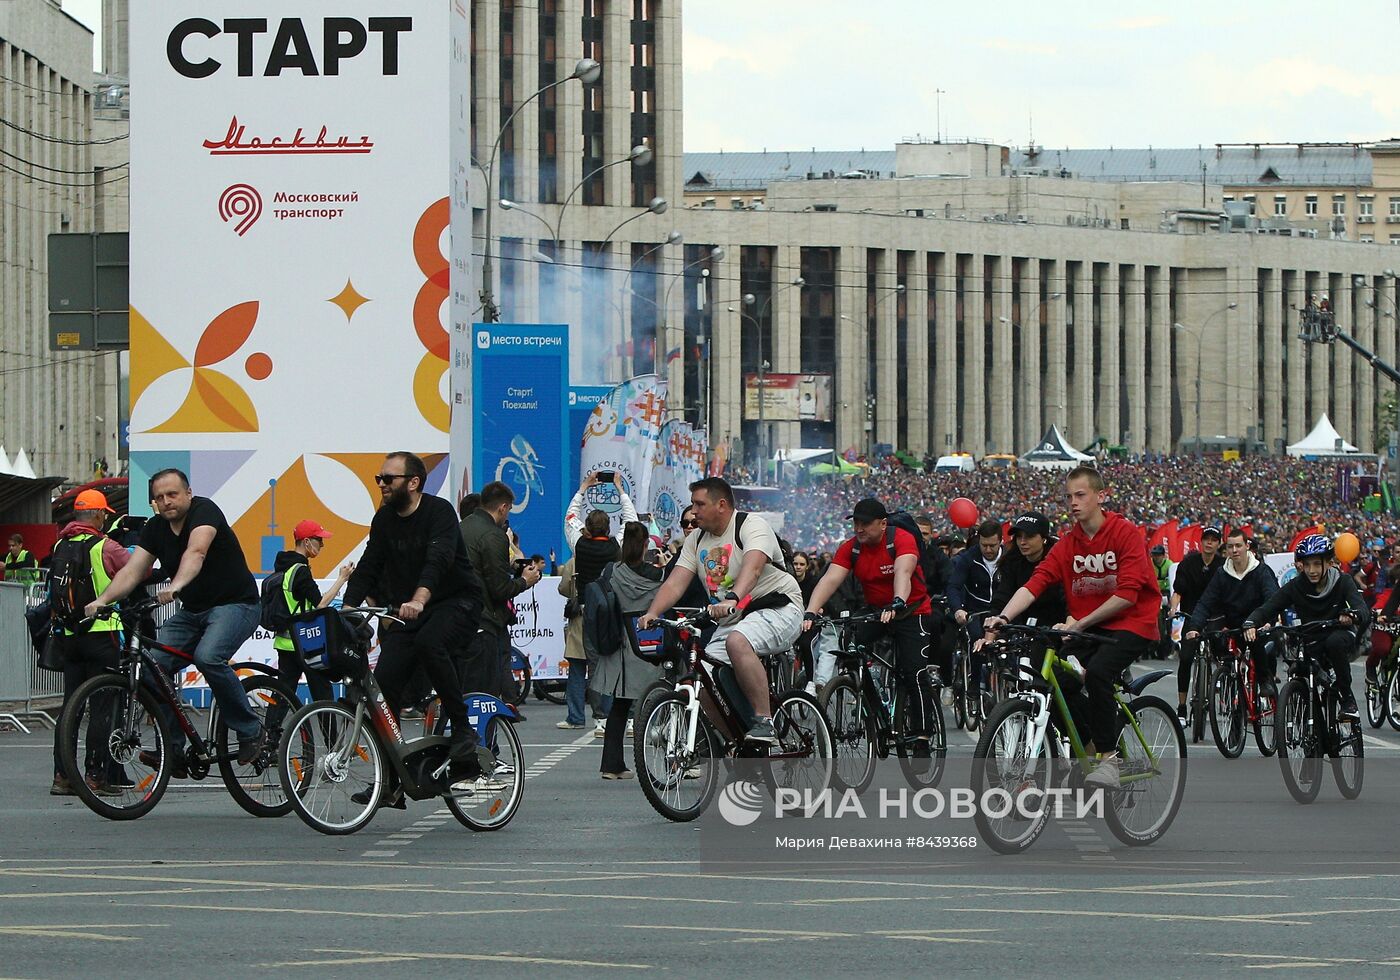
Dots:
(21, 467)
(5, 468)
(1323, 440)
(1053, 452)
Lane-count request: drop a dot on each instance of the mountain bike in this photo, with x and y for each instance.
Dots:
(1383, 696)
(1199, 686)
(967, 699)
(1025, 747)
(115, 741)
(865, 724)
(336, 758)
(1307, 722)
(689, 734)
(1237, 701)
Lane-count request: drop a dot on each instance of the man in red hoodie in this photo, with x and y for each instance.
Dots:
(84, 560)
(1110, 589)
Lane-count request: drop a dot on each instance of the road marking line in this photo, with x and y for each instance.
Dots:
(1281, 918)
(477, 957)
(380, 854)
(797, 933)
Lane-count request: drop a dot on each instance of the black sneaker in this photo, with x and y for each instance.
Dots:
(250, 748)
(178, 769)
(762, 733)
(390, 798)
(1268, 687)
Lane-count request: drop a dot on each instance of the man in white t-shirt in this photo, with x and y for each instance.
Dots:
(755, 602)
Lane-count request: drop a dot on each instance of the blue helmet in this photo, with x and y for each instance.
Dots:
(1313, 546)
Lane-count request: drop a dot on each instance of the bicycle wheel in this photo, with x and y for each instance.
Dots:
(1199, 678)
(852, 731)
(115, 747)
(1003, 761)
(1153, 770)
(971, 698)
(256, 787)
(520, 677)
(1375, 705)
(1297, 742)
(330, 768)
(551, 691)
(679, 782)
(803, 760)
(958, 686)
(1265, 733)
(922, 768)
(1347, 751)
(1227, 714)
(494, 799)
(1392, 699)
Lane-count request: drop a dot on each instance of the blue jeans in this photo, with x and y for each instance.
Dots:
(575, 690)
(213, 636)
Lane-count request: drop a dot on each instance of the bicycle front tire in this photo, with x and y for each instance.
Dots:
(1002, 761)
(1297, 753)
(853, 729)
(679, 784)
(104, 730)
(1392, 699)
(1227, 714)
(325, 761)
(920, 771)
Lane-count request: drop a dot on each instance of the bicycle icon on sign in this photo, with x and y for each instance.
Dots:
(520, 472)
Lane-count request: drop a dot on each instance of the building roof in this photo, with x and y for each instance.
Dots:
(1310, 164)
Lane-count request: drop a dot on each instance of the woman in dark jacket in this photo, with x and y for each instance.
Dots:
(623, 676)
(1031, 533)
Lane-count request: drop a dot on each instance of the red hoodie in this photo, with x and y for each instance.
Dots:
(1113, 562)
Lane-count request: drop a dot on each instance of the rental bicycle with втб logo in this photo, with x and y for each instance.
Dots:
(337, 759)
(115, 739)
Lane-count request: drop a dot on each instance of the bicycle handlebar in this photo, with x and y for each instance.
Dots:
(1049, 632)
(383, 612)
(699, 620)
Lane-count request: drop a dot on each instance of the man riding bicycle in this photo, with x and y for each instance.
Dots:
(1320, 592)
(1243, 585)
(885, 560)
(1196, 571)
(971, 585)
(1111, 588)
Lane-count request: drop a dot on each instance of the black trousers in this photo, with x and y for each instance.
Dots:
(481, 663)
(429, 642)
(1103, 666)
(914, 644)
(1338, 647)
(86, 655)
(614, 736)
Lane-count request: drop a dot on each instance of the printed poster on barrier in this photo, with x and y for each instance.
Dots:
(520, 381)
(682, 463)
(539, 629)
(623, 436)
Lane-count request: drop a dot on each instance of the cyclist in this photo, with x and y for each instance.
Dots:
(757, 604)
(885, 560)
(1031, 533)
(415, 562)
(1162, 565)
(301, 594)
(971, 586)
(1320, 592)
(1378, 653)
(219, 602)
(1244, 584)
(1110, 587)
(1195, 572)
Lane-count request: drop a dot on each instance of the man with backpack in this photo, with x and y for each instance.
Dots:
(291, 589)
(884, 556)
(83, 562)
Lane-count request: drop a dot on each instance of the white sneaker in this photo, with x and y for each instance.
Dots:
(629, 727)
(598, 728)
(1105, 774)
(812, 688)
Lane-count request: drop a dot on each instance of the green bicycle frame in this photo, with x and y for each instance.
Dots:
(1047, 671)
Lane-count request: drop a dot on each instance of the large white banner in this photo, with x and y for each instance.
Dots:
(624, 437)
(682, 463)
(290, 185)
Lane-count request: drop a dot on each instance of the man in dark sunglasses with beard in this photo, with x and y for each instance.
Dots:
(416, 564)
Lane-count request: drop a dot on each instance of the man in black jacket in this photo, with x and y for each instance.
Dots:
(416, 564)
(1244, 584)
(488, 551)
(1320, 592)
(1192, 576)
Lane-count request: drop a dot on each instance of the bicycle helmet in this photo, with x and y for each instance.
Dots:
(1313, 546)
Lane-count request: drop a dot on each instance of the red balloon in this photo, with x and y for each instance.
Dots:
(963, 512)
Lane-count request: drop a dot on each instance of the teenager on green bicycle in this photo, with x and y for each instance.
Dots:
(1110, 589)
(1320, 592)
(886, 565)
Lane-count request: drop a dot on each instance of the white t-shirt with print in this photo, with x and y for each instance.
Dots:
(717, 562)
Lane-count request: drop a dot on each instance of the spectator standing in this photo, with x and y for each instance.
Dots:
(20, 565)
(301, 594)
(488, 551)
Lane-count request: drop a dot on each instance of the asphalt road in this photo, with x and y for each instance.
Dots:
(588, 879)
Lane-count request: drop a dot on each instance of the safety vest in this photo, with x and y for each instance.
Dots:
(16, 570)
(100, 581)
(283, 641)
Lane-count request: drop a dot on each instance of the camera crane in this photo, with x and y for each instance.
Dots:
(1318, 325)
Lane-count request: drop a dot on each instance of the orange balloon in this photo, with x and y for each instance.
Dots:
(1346, 547)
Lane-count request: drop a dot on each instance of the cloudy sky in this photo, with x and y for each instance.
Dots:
(787, 74)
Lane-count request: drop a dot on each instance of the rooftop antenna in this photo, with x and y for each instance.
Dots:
(938, 94)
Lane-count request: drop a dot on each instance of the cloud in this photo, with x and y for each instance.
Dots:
(1144, 23)
(1019, 47)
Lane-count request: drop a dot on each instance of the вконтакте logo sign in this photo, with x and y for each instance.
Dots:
(196, 45)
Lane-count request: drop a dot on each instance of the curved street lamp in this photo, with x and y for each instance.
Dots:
(1196, 335)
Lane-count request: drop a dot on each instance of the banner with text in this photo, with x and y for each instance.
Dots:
(683, 454)
(289, 265)
(520, 384)
(583, 399)
(789, 397)
(624, 436)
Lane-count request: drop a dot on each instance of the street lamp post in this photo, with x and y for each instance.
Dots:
(1016, 328)
(1196, 335)
(749, 299)
(587, 71)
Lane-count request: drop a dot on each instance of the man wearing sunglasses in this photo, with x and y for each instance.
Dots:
(416, 564)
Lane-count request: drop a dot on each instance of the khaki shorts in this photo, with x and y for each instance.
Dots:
(768, 631)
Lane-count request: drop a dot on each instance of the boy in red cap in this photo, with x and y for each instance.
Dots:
(302, 594)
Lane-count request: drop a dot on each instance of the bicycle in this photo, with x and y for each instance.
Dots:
(1237, 700)
(1383, 696)
(1023, 743)
(1199, 686)
(115, 742)
(1307, 723)
(335, 756)
(967, 699)
(865, 723)
(687, 734)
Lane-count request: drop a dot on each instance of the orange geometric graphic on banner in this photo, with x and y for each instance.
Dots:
(427, 314)
(216, 402)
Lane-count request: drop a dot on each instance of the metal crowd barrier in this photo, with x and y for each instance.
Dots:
(18, 667)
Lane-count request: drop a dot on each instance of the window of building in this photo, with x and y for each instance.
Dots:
(1310, 205)
(1339, 206)
(1368, 239)
(548, 156)
(642, 79)
(1365, 207)
(593, 103)
(1395, 207)
(1227, 198)
(1395, 239)
(1249, 199)
(1280, 205)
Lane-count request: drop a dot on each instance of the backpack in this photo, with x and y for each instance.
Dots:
(70, 578)
(602, 616)
(783, 544)
(904, 520)
(273, 613)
